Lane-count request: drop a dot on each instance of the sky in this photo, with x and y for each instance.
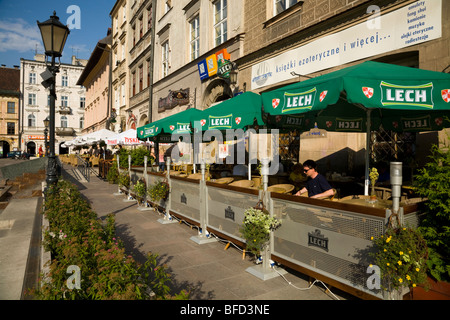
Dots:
(88, 21)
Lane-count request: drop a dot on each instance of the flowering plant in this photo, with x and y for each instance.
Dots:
(256, 229)
(158, 191)
(141, 189)
(124, 179)
(401, 254)
(373, 175)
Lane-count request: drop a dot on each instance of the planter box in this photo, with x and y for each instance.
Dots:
(438, 290)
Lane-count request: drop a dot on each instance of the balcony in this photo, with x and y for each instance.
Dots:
(62, 131)
(64, 110)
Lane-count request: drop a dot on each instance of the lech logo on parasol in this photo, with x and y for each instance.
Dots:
(368, 92)
(323, 95)
(446, 95)
(203, 122)
(275, 103)
(238, 120)
(172, 127)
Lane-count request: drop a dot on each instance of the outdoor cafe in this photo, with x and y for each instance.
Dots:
(328, 239)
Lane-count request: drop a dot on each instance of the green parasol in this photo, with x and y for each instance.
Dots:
(365, 96)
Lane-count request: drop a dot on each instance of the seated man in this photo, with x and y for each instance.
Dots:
(316, 185)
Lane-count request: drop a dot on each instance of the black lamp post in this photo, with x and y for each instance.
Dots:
(54, 35)
(46, 123)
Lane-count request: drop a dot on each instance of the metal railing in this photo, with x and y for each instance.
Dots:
(83, 168)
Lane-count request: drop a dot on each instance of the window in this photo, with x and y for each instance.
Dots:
(165, 58)
(64, 81)
(220, 21)
(133, 75)
(63, 122)
(64, 101)
(82, 102)
(11, 128)
(141, 27)
(133, 31)
(149, 18)
(195, 37)
(148, 73)
(167, 6)
(123, 94)
(11, 107)
(32, 99)
(82, 123)
(124, 11)
(141, 78)
(32, 78)
(281, 5)
(31, 120)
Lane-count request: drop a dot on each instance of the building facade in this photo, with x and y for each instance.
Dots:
(193, 38)
(9, 109)
(140, 53)
(95, 78)
(120, 72)
(35, 104)
(291, 41)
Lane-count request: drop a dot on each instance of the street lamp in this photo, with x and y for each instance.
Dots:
(46, 122)
(54, 35)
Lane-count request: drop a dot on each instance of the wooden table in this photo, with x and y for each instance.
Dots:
(365, 201)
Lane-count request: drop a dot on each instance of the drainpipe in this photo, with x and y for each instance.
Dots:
(152, 58)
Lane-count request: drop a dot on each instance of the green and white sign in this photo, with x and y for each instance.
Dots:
(414, 96)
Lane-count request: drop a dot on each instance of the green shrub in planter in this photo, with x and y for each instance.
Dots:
(140, 188)
(138, 154)
(158, 191)
(124, 179)
(113, 173)
(80, 239)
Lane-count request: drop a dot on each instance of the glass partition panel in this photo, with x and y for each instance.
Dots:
(226, 210)
(185, 199)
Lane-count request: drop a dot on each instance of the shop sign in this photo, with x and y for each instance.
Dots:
(224, 68)
(414, 23)
(35, 137)
(210, 66)
(173, 99)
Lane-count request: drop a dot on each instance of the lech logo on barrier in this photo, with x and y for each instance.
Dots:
(318, 240)
(229, 213)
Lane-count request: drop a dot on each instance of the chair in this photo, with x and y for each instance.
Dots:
(288, 188)
(383, 193)
(198, 176)
(224, 180)
(329, 197)
(242, 183)
(94, 160)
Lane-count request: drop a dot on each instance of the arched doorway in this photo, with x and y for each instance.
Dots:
(63, 150)
(4, 149)
(217, 90)
(31, 147)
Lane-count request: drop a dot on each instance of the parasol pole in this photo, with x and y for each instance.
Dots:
(366, 179)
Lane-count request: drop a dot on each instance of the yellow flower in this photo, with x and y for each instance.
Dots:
(414, 285)
(399, 263)
(385, 250)
(401, 252)
(387, 264)
(371, 238)
(417, 269)
(400, 280)
(408, 277)
(370, 265)
(388, 239)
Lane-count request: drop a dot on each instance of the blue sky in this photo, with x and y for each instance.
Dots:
(20, 36)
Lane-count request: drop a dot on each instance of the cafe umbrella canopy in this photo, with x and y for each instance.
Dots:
(365, 96)
(178, 123)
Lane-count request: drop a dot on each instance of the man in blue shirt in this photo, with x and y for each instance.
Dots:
(316, 185)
